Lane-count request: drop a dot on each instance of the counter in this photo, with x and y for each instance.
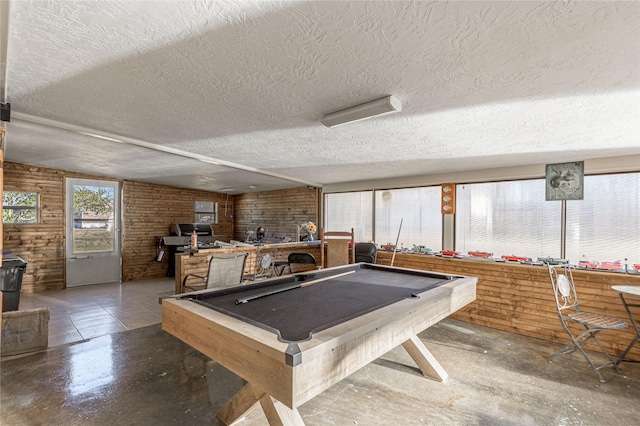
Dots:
(197, 262)
(518, 298)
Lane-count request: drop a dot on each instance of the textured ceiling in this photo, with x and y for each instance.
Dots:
(245, 84)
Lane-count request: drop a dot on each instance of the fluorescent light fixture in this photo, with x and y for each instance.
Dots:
(361, 112)
(234, 188)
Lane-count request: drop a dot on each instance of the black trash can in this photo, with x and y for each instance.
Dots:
(11, 281)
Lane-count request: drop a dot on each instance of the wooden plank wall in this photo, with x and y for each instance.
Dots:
(148, 212)
(42, 244)
(279, 212)
(518, 298)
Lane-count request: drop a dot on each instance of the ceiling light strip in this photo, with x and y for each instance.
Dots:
(376, 108)
(122, 139)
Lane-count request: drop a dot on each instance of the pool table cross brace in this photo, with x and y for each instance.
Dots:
(279, 414)
(427, 363)
(276, 412)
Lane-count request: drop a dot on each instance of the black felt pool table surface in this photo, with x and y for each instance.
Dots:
(294, 315)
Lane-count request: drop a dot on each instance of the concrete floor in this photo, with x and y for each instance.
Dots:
(145, 376)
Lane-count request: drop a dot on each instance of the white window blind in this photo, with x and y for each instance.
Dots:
(419, 211)
(348, 210)
(605, 225)
(503, 218)
(508, 218)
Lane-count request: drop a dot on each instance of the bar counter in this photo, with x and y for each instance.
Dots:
(197, 262)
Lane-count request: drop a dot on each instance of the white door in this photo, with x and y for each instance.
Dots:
(93, 232)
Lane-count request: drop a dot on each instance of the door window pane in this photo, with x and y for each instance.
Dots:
(605, 225)
(419, 211)
(508, 218)
(93, 219)
(350, 210)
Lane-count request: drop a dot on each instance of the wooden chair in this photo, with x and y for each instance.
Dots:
(569, 313)
(334, 248)
(366, 252)
(225, 270)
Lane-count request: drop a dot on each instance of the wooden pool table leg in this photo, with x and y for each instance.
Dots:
(239, 404)
(427, 363)
(276, 412)
(279, 414)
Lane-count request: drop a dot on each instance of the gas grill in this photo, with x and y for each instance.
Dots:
(181, 236)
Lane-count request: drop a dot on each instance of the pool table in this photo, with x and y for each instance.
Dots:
(293, 337)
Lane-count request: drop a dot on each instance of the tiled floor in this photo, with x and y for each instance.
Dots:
(84, 312)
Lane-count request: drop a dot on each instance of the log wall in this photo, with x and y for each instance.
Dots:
(278, 212)
(42, 244)
(519, 299)
(148, 212)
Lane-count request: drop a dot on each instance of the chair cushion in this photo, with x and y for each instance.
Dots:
(366, 252)
(564, 286)
(597, 320)
(301, 258)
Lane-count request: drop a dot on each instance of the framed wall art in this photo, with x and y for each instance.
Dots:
(565, 181)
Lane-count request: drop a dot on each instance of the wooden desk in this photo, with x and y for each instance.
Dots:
(288, 363)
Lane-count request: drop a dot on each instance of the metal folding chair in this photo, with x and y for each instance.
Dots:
(296, 258)
(569, 312)
(264, 265)
(225, 270)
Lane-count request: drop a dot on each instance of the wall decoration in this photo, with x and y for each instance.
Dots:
(448, 198)
(565, 181)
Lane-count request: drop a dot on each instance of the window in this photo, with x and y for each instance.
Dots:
(206, 212)
(350, 210)
(419, 211)
(507, 218)
(93, 219)
(512, 218)
(20, 207)
(605, 225)
(417, 208)
(504, 218)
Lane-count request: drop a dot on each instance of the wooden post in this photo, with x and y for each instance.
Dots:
(2, 133)
(0, 322)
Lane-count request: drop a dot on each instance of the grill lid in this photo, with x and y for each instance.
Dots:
(186, 229)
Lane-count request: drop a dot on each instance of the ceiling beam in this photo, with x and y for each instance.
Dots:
(156, 147)
(4, 42)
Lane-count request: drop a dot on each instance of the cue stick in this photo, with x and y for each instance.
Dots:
(393, 258)
(291, 287)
